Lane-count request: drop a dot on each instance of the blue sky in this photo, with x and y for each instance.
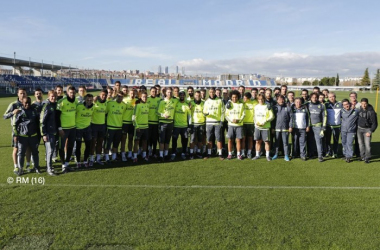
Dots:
(289, 38)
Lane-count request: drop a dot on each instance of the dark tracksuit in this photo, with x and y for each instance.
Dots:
(49, 120)
(271, 103)
(348, 129)
(282, 115)
(300, 120)
(318, 123)
(26, 127)
(9, 114)
(367, 123)
(333, 111)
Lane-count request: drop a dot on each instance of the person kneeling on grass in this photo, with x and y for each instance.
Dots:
(140, 122)
(263, 118)
(283, 126)
(235, 115)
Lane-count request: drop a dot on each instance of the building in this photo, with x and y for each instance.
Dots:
(166, 70)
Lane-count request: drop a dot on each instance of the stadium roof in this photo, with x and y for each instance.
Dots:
(7, 61)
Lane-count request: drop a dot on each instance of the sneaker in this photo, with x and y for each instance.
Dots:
(268, 158)
(256, 157)
(160, 159)
(207, 157)
(16, 171)
(249, 156)
(320, 159)
(221, 157)
(51, 173)
(172, 157)
(123, 158)
(275, 157)
(99, 162)
(91, 164)
(240, 157)
(183, 157)
(286, 158)
(327, 155)
(348, 160)
(229, 157)
(243, 156)
(85, 164)
(192, 157)
(146, 158)
(134, 160)
(303, 158)
(65, 170)
(334, 156)
(29, 169)
(199, 155)
(366, 161)
(37, 170)
(79, 165)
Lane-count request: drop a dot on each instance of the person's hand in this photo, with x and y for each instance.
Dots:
(290, 130)
(368, 134)
(45, 138)
(61, 133)
(16, 111)
(307, 129)
(234, 121)
(322, 134)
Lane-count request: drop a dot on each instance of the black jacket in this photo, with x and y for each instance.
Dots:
(367, 118)
(49, 119)
(26, 123)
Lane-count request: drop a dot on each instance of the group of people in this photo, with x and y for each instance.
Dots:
(138, 120)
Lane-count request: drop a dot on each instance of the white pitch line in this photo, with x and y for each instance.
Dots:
(194, 186)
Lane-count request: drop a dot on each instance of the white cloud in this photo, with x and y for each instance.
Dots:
(288, 64)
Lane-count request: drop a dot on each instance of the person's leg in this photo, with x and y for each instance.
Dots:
(344, 144)
(176, 132)
(295, 143)
(22, 147)
(50, 149)
(34, 143)
(349, 149)
(318, 141)
(87, 149)
(336, 134)
(302, 142)
(362, 147)
(184, 140)
(367, 142)
(278, 134)
(123, 139)
(70, 144)
(285, 142)
(328, 135)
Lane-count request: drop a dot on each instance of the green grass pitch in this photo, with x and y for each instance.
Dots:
(197, 204)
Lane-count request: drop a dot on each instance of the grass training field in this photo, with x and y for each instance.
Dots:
(193, 204)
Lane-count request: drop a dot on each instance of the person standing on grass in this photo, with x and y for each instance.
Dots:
(263, 118)
(153, 102)
(165, 113)
(348, 129)
(248, 124)
(318, 119)
(182, 119)
(300, 121)
(49, 129)
(367, 124)
(140, 120)
(114, 111)
(214, 112)
(235, 116)
(25, 128)
(355, 105)
(83, 129)
(283, 127)
(333, 110)
(13, 109)
(128, 129)
(190, 93)
(98, 127)
(197, 127)
(66, 110)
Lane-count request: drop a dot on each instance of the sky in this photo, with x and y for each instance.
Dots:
(207, 37)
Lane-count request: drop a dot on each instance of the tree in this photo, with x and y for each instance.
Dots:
(376, 80)
(337, 80)
(365, 80)
(325, 81)
(306, 83)
(332, 81)
(315, 82)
